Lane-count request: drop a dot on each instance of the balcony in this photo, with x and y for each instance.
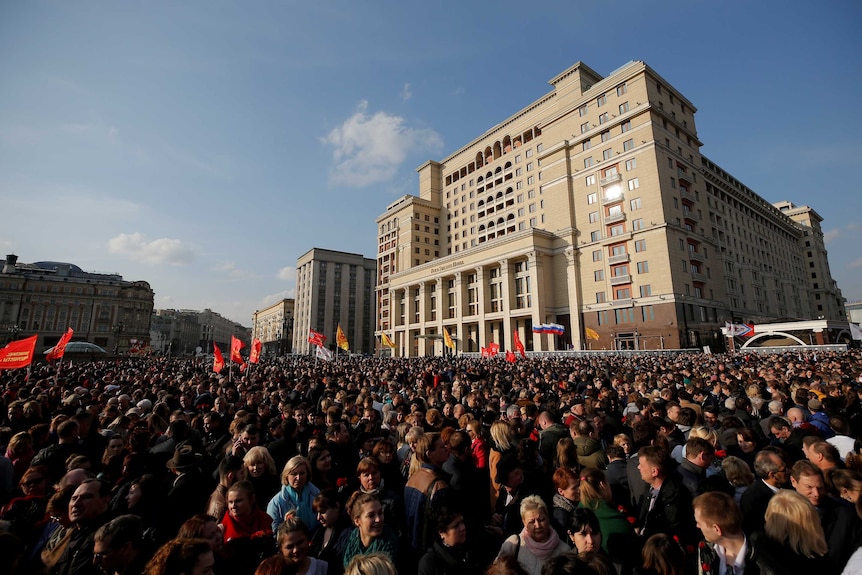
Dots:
(611, 179)
(686, 195)
(691, 216)
(614, 218)
(698, 277)
(619, 259)
(607, 200)
(621, 280)
(627, 302)
(696, 257)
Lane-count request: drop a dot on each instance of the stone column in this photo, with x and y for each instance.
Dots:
(482, 293)
(507, 292)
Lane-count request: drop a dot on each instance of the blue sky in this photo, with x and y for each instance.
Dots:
(204, 145)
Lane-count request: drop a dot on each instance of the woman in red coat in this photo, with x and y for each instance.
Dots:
(248, 536)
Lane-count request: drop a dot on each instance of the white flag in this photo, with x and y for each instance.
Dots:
(855, 331)
(323, 353)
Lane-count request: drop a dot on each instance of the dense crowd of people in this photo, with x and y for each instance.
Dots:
(597, 464)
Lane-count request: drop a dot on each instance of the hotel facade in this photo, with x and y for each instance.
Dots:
(591, 208)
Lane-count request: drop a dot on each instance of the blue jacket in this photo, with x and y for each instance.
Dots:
(288, 499)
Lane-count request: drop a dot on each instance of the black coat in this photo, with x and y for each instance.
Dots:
(753, 504)
(441, 560)
(671, 513)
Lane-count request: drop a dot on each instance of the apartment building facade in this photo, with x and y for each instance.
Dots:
(273, 326)
(590, 208)
(334, 288)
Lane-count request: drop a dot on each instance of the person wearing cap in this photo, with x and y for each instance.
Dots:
(190, 489)
(819, 418)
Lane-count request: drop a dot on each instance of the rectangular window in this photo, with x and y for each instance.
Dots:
(588, 162)
(626, 126)
(625, 315)
(618, 250)
(599, 275)
(607, 154)
(647, 313)
(634, 184)
(637, 224)
(628, 145)
(673, 183)
(602, 317)
(624, 107)
(591, 198)
(597, 255)
(631, 164)
(582, 110)
(606, 135)
(617, 230)
(532, 222)
(643, 267)
(585, 127)
(529, 166)
(645, 290)
(529, 153)
(594, 217)
(602, 100)
(684, 266)
(621, 89)
(604, 117)
(622, 293)
(635, 204)
(600, 297)
(620, 271)
(531, 180)
(590, 180)
(587, 144)
(594, 236)
(640, 245)
(519, 171)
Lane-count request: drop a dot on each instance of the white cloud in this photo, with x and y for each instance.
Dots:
(159, 251)
(270, 299)
(831, 235)
(369, 149)
(287, 274)
(856, 263)
(229, 269)
(406, 92)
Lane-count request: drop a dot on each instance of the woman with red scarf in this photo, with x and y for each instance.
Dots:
(248, 536)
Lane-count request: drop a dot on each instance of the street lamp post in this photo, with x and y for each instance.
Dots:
(118, 330)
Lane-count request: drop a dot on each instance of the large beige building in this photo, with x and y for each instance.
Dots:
(273, 326)
(591, 208)
(334, 288)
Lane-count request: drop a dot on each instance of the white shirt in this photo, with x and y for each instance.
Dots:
(738, 565)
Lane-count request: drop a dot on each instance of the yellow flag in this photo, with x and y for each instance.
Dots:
(341, 339)
(591, 333)
(447, 339)
(385, 341)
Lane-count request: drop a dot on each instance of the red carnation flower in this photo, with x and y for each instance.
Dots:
(341, 482)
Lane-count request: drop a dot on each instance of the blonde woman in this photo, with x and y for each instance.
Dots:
(297, 492)
(538, 541)
(371, 564)
(793, 541)
(261, 472)
(503, 441)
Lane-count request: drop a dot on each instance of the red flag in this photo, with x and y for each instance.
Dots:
(218, 362)
(18, 353)
(254, 356)
(316, 338)
(510, 356)
(236, 345)
(484, 352)
(58, 350)
(493, 348)
(518, 345)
